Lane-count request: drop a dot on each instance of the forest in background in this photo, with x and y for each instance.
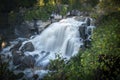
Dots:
(100, 62)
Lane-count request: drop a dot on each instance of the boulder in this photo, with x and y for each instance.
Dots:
(16, 46)
(82, 31)
(87, 43)
(73, 13)
(42, 52)
(28, 47)
(80, 18)
(89, 31)
(88, 21)
(36, 56)
(23, 30)
(27, 28)
(17, 57)
(27, 62)
(21, 61)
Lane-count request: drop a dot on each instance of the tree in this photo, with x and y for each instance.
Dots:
(9, 5)
(45, 2)
(108, 6)
(6, 6)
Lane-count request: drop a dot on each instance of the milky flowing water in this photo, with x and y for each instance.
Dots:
(60, 38)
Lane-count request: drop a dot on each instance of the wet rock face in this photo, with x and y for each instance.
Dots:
(85, 31)
(17, 57)
(73, 13)
(80, 18)
(29, 28)
(16, 47)
(28, 47)
(27, 62)
(82, 30)
(88, 21)
(22, 61)
(23, 30)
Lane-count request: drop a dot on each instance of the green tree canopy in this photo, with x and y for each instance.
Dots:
(8, 5)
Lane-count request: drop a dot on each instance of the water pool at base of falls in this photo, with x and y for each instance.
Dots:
(60, 38)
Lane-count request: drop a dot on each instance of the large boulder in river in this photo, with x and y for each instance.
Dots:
(16, 46)
(28, 47)
(17, 57)
(21, 61)
(27, 62)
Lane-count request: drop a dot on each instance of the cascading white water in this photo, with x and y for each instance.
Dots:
(60, 38)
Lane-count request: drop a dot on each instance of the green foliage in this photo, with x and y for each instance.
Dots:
(100, 62)
(45, 2)
(64, 70)
(63, 10)
(7, 6)
(6, 74)
(65, 1)
(108, 6)
(109, 68)
(38, 13)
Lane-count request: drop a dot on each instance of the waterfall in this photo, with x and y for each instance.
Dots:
(61, 38)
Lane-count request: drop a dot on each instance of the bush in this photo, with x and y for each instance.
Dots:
(38, 13)
(100, 62)
(6, 74)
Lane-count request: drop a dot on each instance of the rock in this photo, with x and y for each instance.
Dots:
(79, 18)
(73, 13)
(48, 53)
(87, 43)
(27, 28)
(82, 30)
(28, 47)
(82, 47)
(16, 47)
(42, 52)
(84, 13)
(44, 25)
(23, 30)
(89, 31)
(36, 56)
(17, 57)
(22, 61)
(88, 21)
(27, 62)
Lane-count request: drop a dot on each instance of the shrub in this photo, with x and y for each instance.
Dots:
(100, 62)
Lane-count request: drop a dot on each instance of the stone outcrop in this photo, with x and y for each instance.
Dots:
(22, 61)
(16, 46)
(29, 28)
(27, 62)
(17, 57)
(85, 31)
(27, 47)
(73, 13)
